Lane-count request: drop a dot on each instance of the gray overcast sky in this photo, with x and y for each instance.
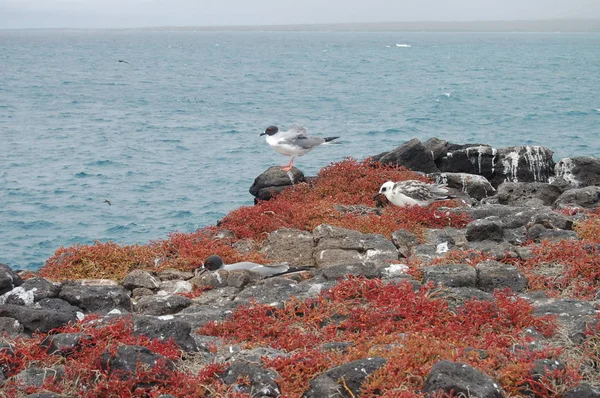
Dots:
(137, 13)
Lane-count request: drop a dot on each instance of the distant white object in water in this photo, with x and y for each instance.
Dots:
(412, 192)
(402, 45)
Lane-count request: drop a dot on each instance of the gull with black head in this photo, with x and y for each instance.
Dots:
(293, 142)
(214, 263)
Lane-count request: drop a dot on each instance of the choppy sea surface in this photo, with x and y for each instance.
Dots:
(170, 137)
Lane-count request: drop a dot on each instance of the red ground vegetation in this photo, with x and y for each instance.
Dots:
(589, 228)
(565, 268)
(84, 376)
(304, 207)
(412, 329)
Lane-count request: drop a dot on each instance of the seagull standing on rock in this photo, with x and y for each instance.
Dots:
(413, 192)
(214, 263)
(294, 142)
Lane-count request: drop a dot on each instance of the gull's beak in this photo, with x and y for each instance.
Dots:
(262, 134)
(200, 270)
(377, 196)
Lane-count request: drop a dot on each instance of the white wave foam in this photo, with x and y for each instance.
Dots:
(402, 45)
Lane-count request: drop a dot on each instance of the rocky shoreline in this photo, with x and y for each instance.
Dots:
(516, 200)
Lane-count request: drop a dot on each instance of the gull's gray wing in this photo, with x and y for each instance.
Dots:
(421, 191)
(263, 270)
(297, 136)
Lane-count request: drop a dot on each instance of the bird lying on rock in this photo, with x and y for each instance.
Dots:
(294, 142)
(413, 192)
(214, 263)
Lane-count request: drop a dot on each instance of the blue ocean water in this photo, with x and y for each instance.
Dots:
(171, 137)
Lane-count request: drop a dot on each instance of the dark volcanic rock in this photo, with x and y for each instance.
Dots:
(412, 154)
(336, 272)
(59, 305)
(437, 147)
(31, 291)
(65, 344)
(523, 164)
(538, 232)
(37, 319)
(96, 299)
(268, 291)
(274, 180)
(579, 172)
(262, 381)
(457, 296)
(45, 394)
(494, 275)
(476, 186)
(290, 245)
(8, 279)
(343, 246)
(35, 376)
(552, 220)
(344, 380)
(138, 278)
(165, 329)
(480, 230)
(461, 379)
(127, 358)
(214, 279)
(162, 305)
(519, 193)
(470, 159)
(174, 275)
(451, 275)
(405, 241)
(10, 326)
(588, 197)
(582, 391)
(567, 311)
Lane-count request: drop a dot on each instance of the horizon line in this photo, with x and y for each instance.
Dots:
(501, 25)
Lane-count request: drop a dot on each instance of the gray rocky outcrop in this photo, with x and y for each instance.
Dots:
(8, 279)
(521, 193)
(578, 172)
(493, 275)
(344, 380)
(96, 299)
(588, 197)
(473, 185)
(461, 379)
(161, 305)
(37, 319)
(125, 362)
(261, 381)
(343, 246)
(451, 275)
(290, 245)
(274, 180)
(412, 154)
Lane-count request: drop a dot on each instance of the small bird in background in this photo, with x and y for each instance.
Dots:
(122, 60)
(413, 192)
(294, 142)
(214, 263)
(107, 202)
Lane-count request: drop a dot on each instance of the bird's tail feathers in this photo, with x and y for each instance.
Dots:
(329, 139)
(292, 270)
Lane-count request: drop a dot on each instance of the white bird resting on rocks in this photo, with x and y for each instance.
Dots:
(413, 192)
(294, 142)
(214, 263)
